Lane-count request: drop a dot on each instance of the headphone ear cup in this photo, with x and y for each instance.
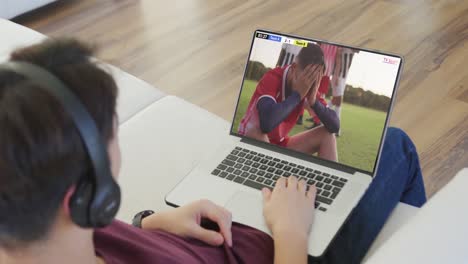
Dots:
(105, 204)
(80, 203)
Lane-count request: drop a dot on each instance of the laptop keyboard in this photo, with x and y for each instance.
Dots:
(258, 170)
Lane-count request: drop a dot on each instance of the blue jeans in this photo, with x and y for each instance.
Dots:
(398, 179)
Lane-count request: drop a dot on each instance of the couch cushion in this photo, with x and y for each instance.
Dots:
(134, 94)
(160, 145)
(15, 36)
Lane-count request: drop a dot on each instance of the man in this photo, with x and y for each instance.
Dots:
(281, 97)
(42, 158)
(344, 58)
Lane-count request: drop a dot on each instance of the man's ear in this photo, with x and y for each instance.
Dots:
(66, 200)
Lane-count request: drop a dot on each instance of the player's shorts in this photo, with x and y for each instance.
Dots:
(339, 88)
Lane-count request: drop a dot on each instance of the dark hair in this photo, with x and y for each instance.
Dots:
(312, 54)
(41, 153)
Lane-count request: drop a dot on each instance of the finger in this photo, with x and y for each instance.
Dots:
(302, 186)
(225, 223)
(208, 236)
(227, 212)
(311, 71)
(313, 68)
(318, 79)
(314, 75)
(266, 195)
(280, 183)
(318, 73)
(314, 86)
(308, 70)
(228, 228)
(216, 214)
(312, 192)
(292, 182)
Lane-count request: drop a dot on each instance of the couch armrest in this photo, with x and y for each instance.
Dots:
(400, 216)
(12, 8)
(438, 233)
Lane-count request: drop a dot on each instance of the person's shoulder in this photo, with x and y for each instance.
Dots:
(115, 227)
(277, 72)
(274, 75)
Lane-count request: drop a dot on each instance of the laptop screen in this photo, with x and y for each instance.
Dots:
(325, 100)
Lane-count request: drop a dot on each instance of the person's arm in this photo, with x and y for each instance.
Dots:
(271, 113)
(290, 248)
(328, 117)
(186, 221)
(309, 109)
(289, 212)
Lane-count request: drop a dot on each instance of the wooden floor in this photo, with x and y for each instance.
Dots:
(197, 49)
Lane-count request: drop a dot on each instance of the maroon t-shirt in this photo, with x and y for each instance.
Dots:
(123, 243)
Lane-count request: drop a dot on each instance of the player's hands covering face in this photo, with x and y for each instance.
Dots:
(303, 80)
(312, 95)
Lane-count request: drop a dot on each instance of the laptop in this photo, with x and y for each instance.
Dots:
(234, 174)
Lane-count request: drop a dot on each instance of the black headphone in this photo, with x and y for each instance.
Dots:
(96, 199)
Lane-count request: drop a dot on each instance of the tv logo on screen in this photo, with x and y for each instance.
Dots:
(390, 61)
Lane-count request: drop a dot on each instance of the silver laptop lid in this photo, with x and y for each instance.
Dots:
(366, 80)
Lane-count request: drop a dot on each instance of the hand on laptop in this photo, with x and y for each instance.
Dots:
(288, 209)
(185, 221)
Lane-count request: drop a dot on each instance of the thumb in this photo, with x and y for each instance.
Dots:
(266, 194)
(208, 236)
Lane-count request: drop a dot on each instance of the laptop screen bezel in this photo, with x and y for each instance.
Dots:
(304, 156)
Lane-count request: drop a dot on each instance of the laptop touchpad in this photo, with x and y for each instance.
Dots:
(247, 208)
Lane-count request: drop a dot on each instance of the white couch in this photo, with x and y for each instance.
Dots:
(158, 148)
(12, 8)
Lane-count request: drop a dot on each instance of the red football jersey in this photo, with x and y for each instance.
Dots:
(273, 85)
